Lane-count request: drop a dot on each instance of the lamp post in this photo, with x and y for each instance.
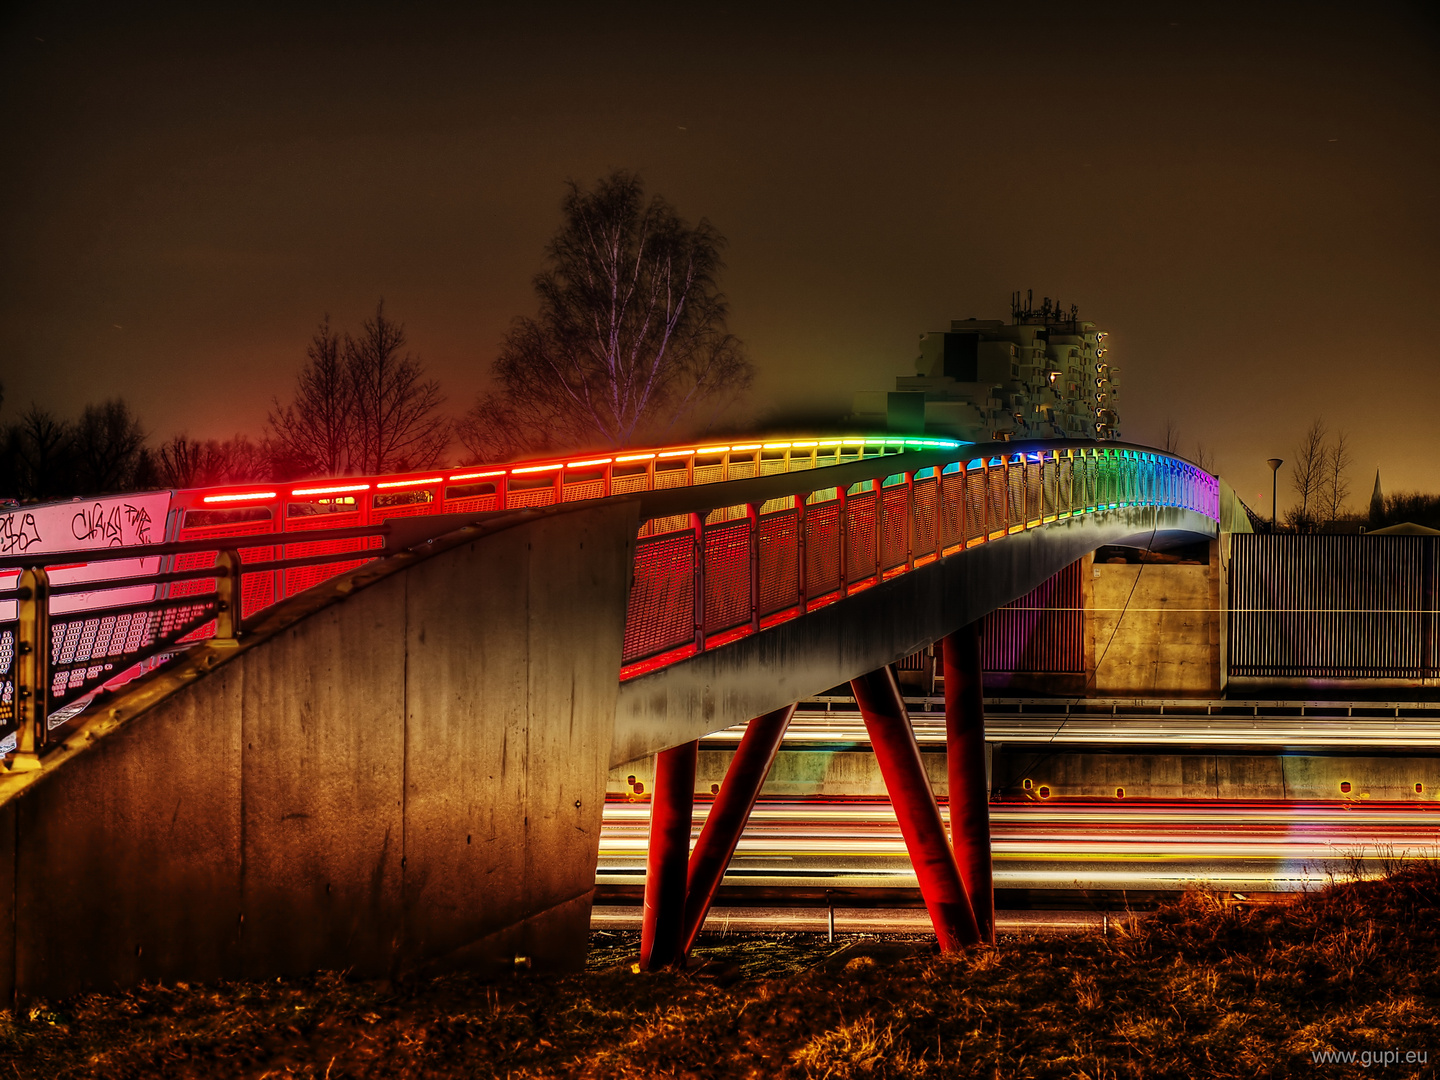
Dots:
(1274, 464)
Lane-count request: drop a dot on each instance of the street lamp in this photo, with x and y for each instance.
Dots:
(1274, 464)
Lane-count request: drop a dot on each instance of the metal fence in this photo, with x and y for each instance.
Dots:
(1339, 607)
(1041, 633)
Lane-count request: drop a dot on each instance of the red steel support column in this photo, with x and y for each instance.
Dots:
(727, 817)
(969, 790)
(898, 756)
(671, 806)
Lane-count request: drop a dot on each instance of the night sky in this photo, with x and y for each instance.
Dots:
(1246, 200)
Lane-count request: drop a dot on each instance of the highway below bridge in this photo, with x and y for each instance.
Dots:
(1356, 793)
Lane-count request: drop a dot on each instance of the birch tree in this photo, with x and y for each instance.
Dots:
(630, 341)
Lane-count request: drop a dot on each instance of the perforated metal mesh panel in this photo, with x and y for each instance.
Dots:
(975, 505)
(894, 550)
(996, 516)
(303, 577)
(952, 509)
(539, 496)
(661, 612)
(256, 590)
(87, 650)
(585, 489)
(779, 562)
(1065, 485)
(1050, 485)
(625, 485)
(727, 576)
(927, 516)
(1033, 491)
(475, 504)
(7, 679)
(860, 536)
(822, 549)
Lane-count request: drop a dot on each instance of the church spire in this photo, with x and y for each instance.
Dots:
(1377, 502)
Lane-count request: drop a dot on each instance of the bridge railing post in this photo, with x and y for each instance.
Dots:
(32, 668)
(697, 526)
(228, 598)
(752, 513)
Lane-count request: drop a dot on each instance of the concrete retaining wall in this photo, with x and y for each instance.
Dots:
(1066, 774)
(409, 775)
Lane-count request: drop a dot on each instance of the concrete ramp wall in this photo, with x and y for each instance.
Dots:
(402, 770)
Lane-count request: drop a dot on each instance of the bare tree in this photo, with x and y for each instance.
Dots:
(183, 462)
(1307, 475)
(1171, 443)
(106, 445)
(397, 420)
(1334, 481)
(631, 337)
(39, 456)
(1204, 457)
(313, 435)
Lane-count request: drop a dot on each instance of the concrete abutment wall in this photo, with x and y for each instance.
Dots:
(410, 776)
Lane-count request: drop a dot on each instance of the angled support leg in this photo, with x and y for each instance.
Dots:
(671, 805)
(727, 817)
(969, 789)
(898, 756)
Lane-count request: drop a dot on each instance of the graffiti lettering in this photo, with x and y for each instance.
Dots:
(18, 532)
(93, 522)
(139, 519)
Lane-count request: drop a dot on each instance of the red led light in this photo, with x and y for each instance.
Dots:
(330, 490)
(538, 468)
(477, 475)
(240, 497)
(411, 483)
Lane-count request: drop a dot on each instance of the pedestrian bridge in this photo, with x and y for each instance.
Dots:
(366, 723)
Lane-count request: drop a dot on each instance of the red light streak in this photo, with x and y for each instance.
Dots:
(242, 497)
(411, 483)
(330, 490)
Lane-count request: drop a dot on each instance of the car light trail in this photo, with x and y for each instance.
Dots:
(1241, 846)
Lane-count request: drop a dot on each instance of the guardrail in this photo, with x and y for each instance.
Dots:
(718, 572)
(725, 556)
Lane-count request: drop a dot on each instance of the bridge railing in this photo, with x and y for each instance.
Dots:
(742, 544)
(720, 572)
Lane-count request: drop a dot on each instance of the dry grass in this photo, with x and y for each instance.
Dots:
(1204, 989)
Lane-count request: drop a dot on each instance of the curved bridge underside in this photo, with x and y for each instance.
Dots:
(756, 674)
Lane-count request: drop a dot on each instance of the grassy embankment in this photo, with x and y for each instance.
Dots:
(1203, 989)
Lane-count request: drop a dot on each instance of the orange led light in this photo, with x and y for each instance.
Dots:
(750, 446)
(635, 457)
(676, 453)
(582, 464)
(411, 483)
(538, 468)
(330, 490)
(242, 497)
(713, 450)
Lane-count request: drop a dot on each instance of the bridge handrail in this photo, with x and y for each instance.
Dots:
(858, 521)
(706, 574)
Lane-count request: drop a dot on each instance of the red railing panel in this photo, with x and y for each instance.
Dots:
(661, 612)
(727, 576)
(822, 549)
(779, 562)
